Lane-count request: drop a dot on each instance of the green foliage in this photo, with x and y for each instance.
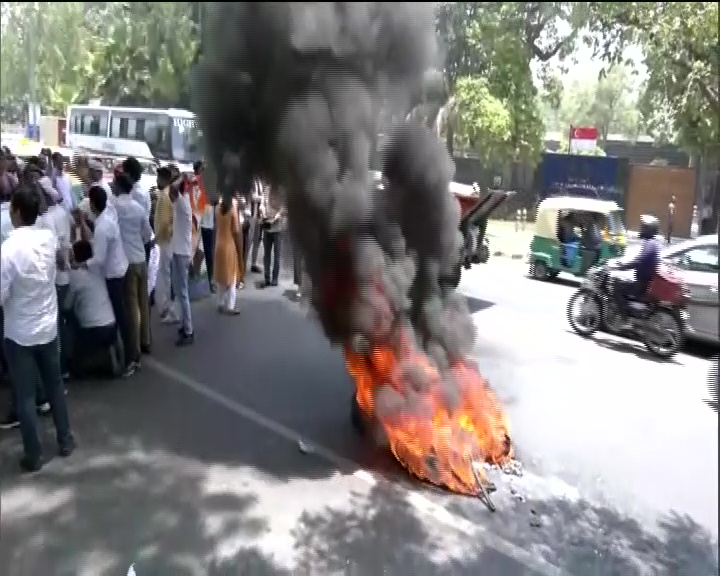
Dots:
(489, 46)
(680, 44)
(486, 125)
(133, 53)
(609, 103)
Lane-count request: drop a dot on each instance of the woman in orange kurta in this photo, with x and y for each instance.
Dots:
(229, 269)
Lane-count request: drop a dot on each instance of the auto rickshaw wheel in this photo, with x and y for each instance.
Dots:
(539, 270)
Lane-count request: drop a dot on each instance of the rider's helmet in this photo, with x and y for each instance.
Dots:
(649, 226)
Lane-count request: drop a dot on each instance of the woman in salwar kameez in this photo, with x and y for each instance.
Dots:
(228, 255)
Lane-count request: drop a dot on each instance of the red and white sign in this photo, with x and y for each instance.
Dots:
(582, 138)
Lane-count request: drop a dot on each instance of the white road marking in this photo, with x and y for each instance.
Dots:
(421, 503)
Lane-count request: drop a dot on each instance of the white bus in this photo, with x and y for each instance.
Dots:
(166, 135)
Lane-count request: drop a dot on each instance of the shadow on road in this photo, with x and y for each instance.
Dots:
(628, 344)
(624, 345)
(175, 496)
(115, 508)
(478, 305)
(386, 533)
(568, 281)
(587, 539)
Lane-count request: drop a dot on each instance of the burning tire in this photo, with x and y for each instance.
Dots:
(357, 418)
(588, 318)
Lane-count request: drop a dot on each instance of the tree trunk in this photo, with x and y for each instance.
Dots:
(450, 139)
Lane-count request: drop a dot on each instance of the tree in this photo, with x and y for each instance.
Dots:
(145, 54)
(679, 40)
(486, 125)
(497, 41)
(609, 103)
(138, 53)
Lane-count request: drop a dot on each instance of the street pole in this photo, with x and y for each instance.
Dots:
(33, 120)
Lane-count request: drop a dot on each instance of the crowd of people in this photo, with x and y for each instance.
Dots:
(81, 275)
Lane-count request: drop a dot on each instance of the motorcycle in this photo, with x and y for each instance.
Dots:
(661, 324)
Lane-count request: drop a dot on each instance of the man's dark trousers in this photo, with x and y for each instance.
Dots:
(28, 365)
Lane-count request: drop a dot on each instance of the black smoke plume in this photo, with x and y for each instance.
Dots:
(293, 91)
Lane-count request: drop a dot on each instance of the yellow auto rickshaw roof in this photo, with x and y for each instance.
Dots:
(546, 219)
(575, 204)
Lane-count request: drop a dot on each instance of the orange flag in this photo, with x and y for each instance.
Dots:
(198, 196)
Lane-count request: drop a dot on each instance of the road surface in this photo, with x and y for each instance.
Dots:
(193, 466)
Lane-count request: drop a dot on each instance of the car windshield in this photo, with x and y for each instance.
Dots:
(186, 140)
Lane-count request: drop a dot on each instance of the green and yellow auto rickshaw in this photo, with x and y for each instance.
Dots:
(572, 234)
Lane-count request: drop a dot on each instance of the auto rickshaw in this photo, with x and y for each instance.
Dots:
(562, 228)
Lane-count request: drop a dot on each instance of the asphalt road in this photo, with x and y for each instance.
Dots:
(193, 466)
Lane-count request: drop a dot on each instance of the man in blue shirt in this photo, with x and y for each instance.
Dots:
(645, 265)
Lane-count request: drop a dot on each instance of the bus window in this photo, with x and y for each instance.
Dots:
(140, 129)
(186, 139)
(120, 127)
(148, 127)
(156, 135)
(94, 123)
(74, 124)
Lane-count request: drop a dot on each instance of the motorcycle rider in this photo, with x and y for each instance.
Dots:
(645, 265)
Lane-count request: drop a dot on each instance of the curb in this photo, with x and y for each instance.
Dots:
(513, 256)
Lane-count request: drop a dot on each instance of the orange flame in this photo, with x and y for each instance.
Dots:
(436, 443)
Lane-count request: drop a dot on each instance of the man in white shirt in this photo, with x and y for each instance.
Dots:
(110, 262)
(93, 175)
(59, 222)
(181, 244)
(135, 233)
(87, 301)
(132, 167)
(29, 301)
(61, 182)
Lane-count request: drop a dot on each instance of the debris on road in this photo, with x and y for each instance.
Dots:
(304, 447)
(484, 486)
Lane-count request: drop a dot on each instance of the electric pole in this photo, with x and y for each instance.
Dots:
(33, 107)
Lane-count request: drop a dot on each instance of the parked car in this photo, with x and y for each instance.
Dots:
(697, 262)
